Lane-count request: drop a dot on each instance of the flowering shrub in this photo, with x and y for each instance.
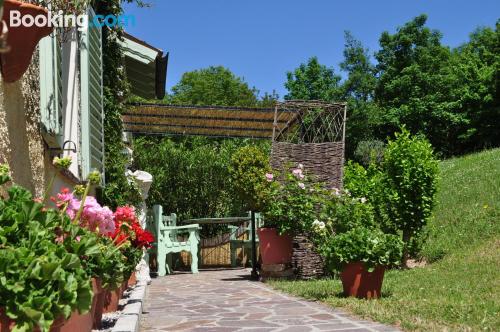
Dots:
(291, 201)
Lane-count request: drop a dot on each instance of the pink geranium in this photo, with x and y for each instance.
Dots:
(94, 216)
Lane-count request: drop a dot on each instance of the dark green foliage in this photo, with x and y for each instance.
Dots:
(191, 176)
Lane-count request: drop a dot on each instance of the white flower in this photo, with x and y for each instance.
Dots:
(321, 225)
(316, 222)
(301, 166)
(302, 185)
(363, 200)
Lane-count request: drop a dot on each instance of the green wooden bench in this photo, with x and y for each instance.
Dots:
(235, 242)
(167, 240)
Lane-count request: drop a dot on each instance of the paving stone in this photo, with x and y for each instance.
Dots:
(226, 301)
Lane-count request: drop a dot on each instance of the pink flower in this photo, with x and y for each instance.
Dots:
(78, 238)
(298, 173)
(269, 177)
(302, 185)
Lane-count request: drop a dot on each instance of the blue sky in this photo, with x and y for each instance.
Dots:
(260, 40)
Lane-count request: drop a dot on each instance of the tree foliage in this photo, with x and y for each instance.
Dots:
(449, 95)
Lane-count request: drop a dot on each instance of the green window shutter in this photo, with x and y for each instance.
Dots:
(92, 113)
(51, 99)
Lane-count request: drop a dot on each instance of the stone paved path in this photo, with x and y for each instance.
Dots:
(226, 300)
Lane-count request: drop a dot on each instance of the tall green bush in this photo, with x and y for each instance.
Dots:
(248, 168)
(412, 171)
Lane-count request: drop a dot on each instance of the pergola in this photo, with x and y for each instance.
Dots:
(211, 121)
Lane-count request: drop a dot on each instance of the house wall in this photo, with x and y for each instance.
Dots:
(21, 144)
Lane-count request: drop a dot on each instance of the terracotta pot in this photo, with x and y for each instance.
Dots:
(274, 248)
(99, 306)
(75, 323)
(358, 282)
(132, 280)
(112, 298)
(6, 324)
(21, 40)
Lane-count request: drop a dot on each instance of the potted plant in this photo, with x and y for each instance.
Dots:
(43, 281)
(291, 208)
(362, 254)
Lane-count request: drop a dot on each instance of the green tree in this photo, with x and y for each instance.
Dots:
(476, 65)
(213, 86)
(313, 81)
(358, 89)
(415, 84)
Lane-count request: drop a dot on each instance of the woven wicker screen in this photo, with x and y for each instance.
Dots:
(314, 136)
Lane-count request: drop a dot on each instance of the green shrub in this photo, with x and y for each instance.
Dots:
(371, 183)
(368, 245)
(248, 168)
(411, 170)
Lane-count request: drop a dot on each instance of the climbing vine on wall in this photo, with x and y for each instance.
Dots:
(118, 190)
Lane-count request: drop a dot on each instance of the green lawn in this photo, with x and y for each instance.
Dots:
(460, 289)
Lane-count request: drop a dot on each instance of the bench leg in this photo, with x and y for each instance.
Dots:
(161, 257)
(233, 250)
(170, 265)
(194, 258)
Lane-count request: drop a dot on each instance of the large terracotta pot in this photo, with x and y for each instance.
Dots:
(80, 322)
(358, 282)
(99, 306)
(22, 40)
(274, 248)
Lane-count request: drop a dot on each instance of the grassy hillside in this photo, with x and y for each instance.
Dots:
(460, 289)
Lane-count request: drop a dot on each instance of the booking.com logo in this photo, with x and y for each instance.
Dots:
(61, 20)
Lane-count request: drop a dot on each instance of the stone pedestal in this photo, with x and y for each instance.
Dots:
(143, 181)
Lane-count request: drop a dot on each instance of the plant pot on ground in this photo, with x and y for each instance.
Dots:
(274, 248)
(363, 253)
